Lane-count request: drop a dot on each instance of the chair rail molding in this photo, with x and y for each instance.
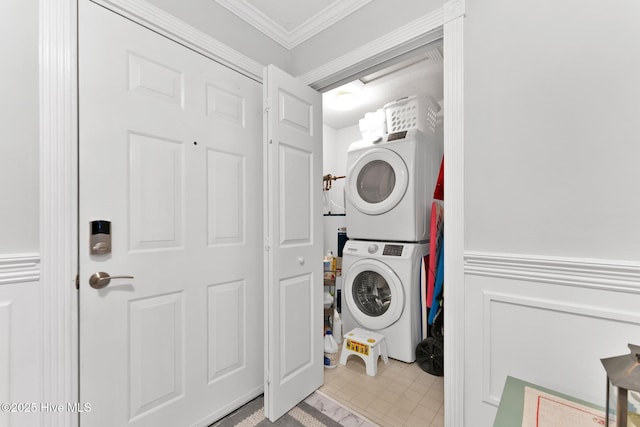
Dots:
(610, 275)
(19, 268)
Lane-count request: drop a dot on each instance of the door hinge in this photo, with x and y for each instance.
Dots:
(77, 281)
(266, 106)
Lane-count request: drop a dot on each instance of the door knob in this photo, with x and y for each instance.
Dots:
(301, 260)
(101, 279)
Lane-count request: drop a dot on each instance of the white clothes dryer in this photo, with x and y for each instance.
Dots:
(381, 292)
(389, 186)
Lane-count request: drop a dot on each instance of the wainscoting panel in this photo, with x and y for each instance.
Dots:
(20, 336)
(547, 321)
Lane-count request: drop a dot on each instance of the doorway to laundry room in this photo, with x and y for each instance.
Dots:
(401, 392)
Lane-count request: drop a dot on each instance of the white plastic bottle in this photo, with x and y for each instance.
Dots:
(337, 326)
(330, 350)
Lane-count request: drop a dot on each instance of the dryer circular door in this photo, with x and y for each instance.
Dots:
(374, 294)
(377, 181)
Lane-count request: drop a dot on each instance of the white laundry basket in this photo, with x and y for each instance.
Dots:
(413, 112)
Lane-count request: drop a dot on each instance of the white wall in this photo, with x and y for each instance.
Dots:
(552, 98)
(20, 323)
(551, 209)
(328, 165)
(19, 162)
(335, 146)
(334, 161)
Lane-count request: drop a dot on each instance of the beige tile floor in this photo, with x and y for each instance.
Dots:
(401, 394)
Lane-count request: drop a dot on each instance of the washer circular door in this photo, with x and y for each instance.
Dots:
(374, 294)
(377, 181)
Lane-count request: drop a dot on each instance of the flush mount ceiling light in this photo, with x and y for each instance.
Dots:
(345, 100)
(346, 97)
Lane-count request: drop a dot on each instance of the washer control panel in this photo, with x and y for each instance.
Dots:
(392, 250)
(377, 249)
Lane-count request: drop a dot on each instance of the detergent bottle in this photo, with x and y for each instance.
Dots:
(330, 350)
(330, 262)
(337, 326)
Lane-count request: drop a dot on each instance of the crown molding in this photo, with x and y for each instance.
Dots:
(290, 39)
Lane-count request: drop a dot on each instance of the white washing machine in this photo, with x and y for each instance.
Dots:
(381, 292)
(389, 186)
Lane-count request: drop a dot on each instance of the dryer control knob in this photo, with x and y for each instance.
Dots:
(372, 249)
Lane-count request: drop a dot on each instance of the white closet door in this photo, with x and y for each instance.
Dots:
(293, 318)
(170, 154)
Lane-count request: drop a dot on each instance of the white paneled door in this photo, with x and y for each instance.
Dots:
(170, 154)
(293, 316)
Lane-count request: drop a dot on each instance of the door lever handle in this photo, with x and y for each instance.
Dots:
(101, 279)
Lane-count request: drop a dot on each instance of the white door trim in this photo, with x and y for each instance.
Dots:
(58, 207)
(413, 35)
(58, 171)
(454, 292)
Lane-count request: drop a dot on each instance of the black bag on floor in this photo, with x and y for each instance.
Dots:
(430, 356)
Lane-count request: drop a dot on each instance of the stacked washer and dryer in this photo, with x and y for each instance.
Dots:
(389, 188)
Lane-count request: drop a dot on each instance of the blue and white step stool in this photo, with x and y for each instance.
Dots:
(366, 344)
